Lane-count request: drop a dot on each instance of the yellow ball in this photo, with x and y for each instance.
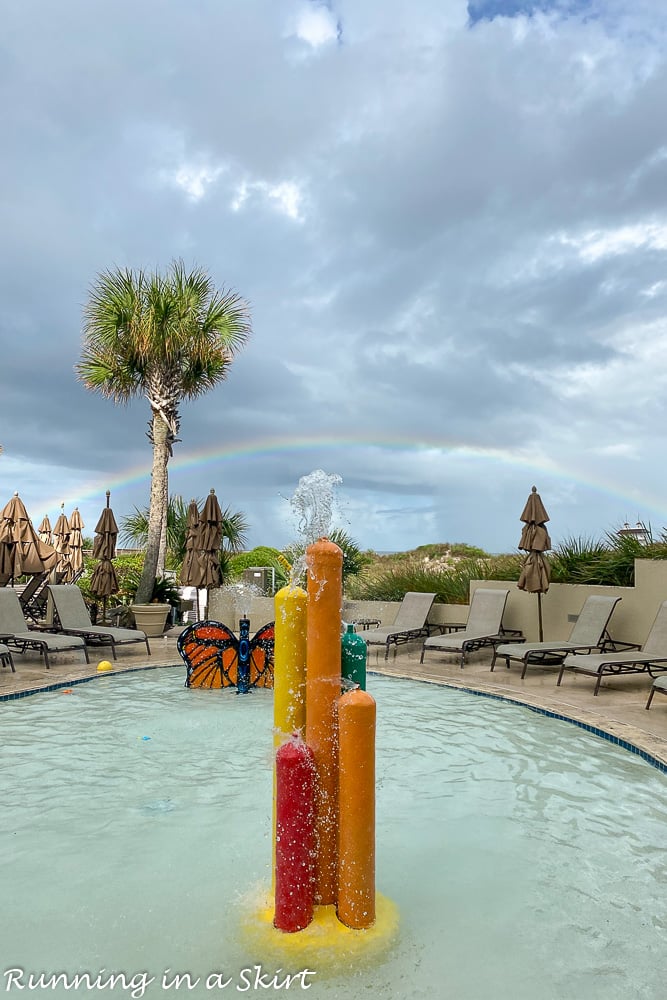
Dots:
(104, 665)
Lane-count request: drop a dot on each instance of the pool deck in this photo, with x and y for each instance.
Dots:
(618, 710)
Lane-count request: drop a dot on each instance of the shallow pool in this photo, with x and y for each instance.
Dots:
(527, 857)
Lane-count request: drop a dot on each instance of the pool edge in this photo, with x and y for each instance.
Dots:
(657, 758)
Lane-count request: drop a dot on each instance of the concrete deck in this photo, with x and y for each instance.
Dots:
(619, 708)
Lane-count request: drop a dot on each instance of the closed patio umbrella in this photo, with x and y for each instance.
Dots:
(44, 530)
(535, 573)
(210, 540)
(192, 570)
(61, 543)
(22, 552)
(201, 566)
(76, 543)
(7, 548)
(104, 581)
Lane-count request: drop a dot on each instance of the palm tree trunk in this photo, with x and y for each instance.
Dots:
(162, 551)
(156, 509)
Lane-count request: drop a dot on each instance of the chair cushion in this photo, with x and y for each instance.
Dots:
(50, 640)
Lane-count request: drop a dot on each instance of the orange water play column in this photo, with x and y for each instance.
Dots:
(356, 837)
(324, 561)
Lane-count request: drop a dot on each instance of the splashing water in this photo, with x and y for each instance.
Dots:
(242, 594)
(313, 503)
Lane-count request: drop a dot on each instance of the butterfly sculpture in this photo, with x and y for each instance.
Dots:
(216, 658)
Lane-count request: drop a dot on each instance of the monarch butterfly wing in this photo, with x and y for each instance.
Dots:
(229, 664)
(210, 651)
(261, 657)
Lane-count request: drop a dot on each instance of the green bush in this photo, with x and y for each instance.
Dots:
(459, 550)
(128, 571)
(262, 555)
(165, 590)
(609, 562)
(125, 566)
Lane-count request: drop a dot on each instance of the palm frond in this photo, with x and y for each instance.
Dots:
(134, 528)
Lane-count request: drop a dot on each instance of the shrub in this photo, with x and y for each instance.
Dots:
(459, 550)
(609, 562)
(450, 584)
(262, 555)
(128, 571)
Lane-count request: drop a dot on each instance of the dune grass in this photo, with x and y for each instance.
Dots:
(607, 562)
(450, 584)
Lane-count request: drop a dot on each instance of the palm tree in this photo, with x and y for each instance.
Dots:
(134, 528)
(354, 559)
(165, 337)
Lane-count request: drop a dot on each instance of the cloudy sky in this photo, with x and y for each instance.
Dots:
(450, 221)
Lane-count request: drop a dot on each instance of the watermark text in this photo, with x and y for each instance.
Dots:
(135, 984)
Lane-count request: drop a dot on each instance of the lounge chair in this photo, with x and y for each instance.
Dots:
(72, 616)
(15, 632)
(6, 657)
(659, 687)
(410, 623)
(483, 628)
(589, 632)
(33, 597)
(652, 654)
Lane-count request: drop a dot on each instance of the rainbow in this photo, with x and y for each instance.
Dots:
(437, 447)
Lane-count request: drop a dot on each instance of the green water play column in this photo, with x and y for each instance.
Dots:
(354, 652)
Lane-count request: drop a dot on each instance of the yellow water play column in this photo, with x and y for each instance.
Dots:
(289, 662)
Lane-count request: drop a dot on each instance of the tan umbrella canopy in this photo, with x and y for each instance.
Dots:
(61, 537)
(192, 570)
(76, 543)
(535, 573)
(104, 582)
(45, 530)
(21, 549)
(201, 565)
(210, 538)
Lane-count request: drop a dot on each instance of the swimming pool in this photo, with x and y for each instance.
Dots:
(526, 856)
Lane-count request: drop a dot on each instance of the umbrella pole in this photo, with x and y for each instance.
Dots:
(104, 599)
(539, 616)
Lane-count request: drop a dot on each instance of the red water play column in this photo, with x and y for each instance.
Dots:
(295, 836)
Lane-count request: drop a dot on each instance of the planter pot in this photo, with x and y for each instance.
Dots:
(151, 618)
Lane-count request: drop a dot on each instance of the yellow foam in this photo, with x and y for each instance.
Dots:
(325, 943)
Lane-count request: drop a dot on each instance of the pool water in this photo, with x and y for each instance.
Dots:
(526, 857)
